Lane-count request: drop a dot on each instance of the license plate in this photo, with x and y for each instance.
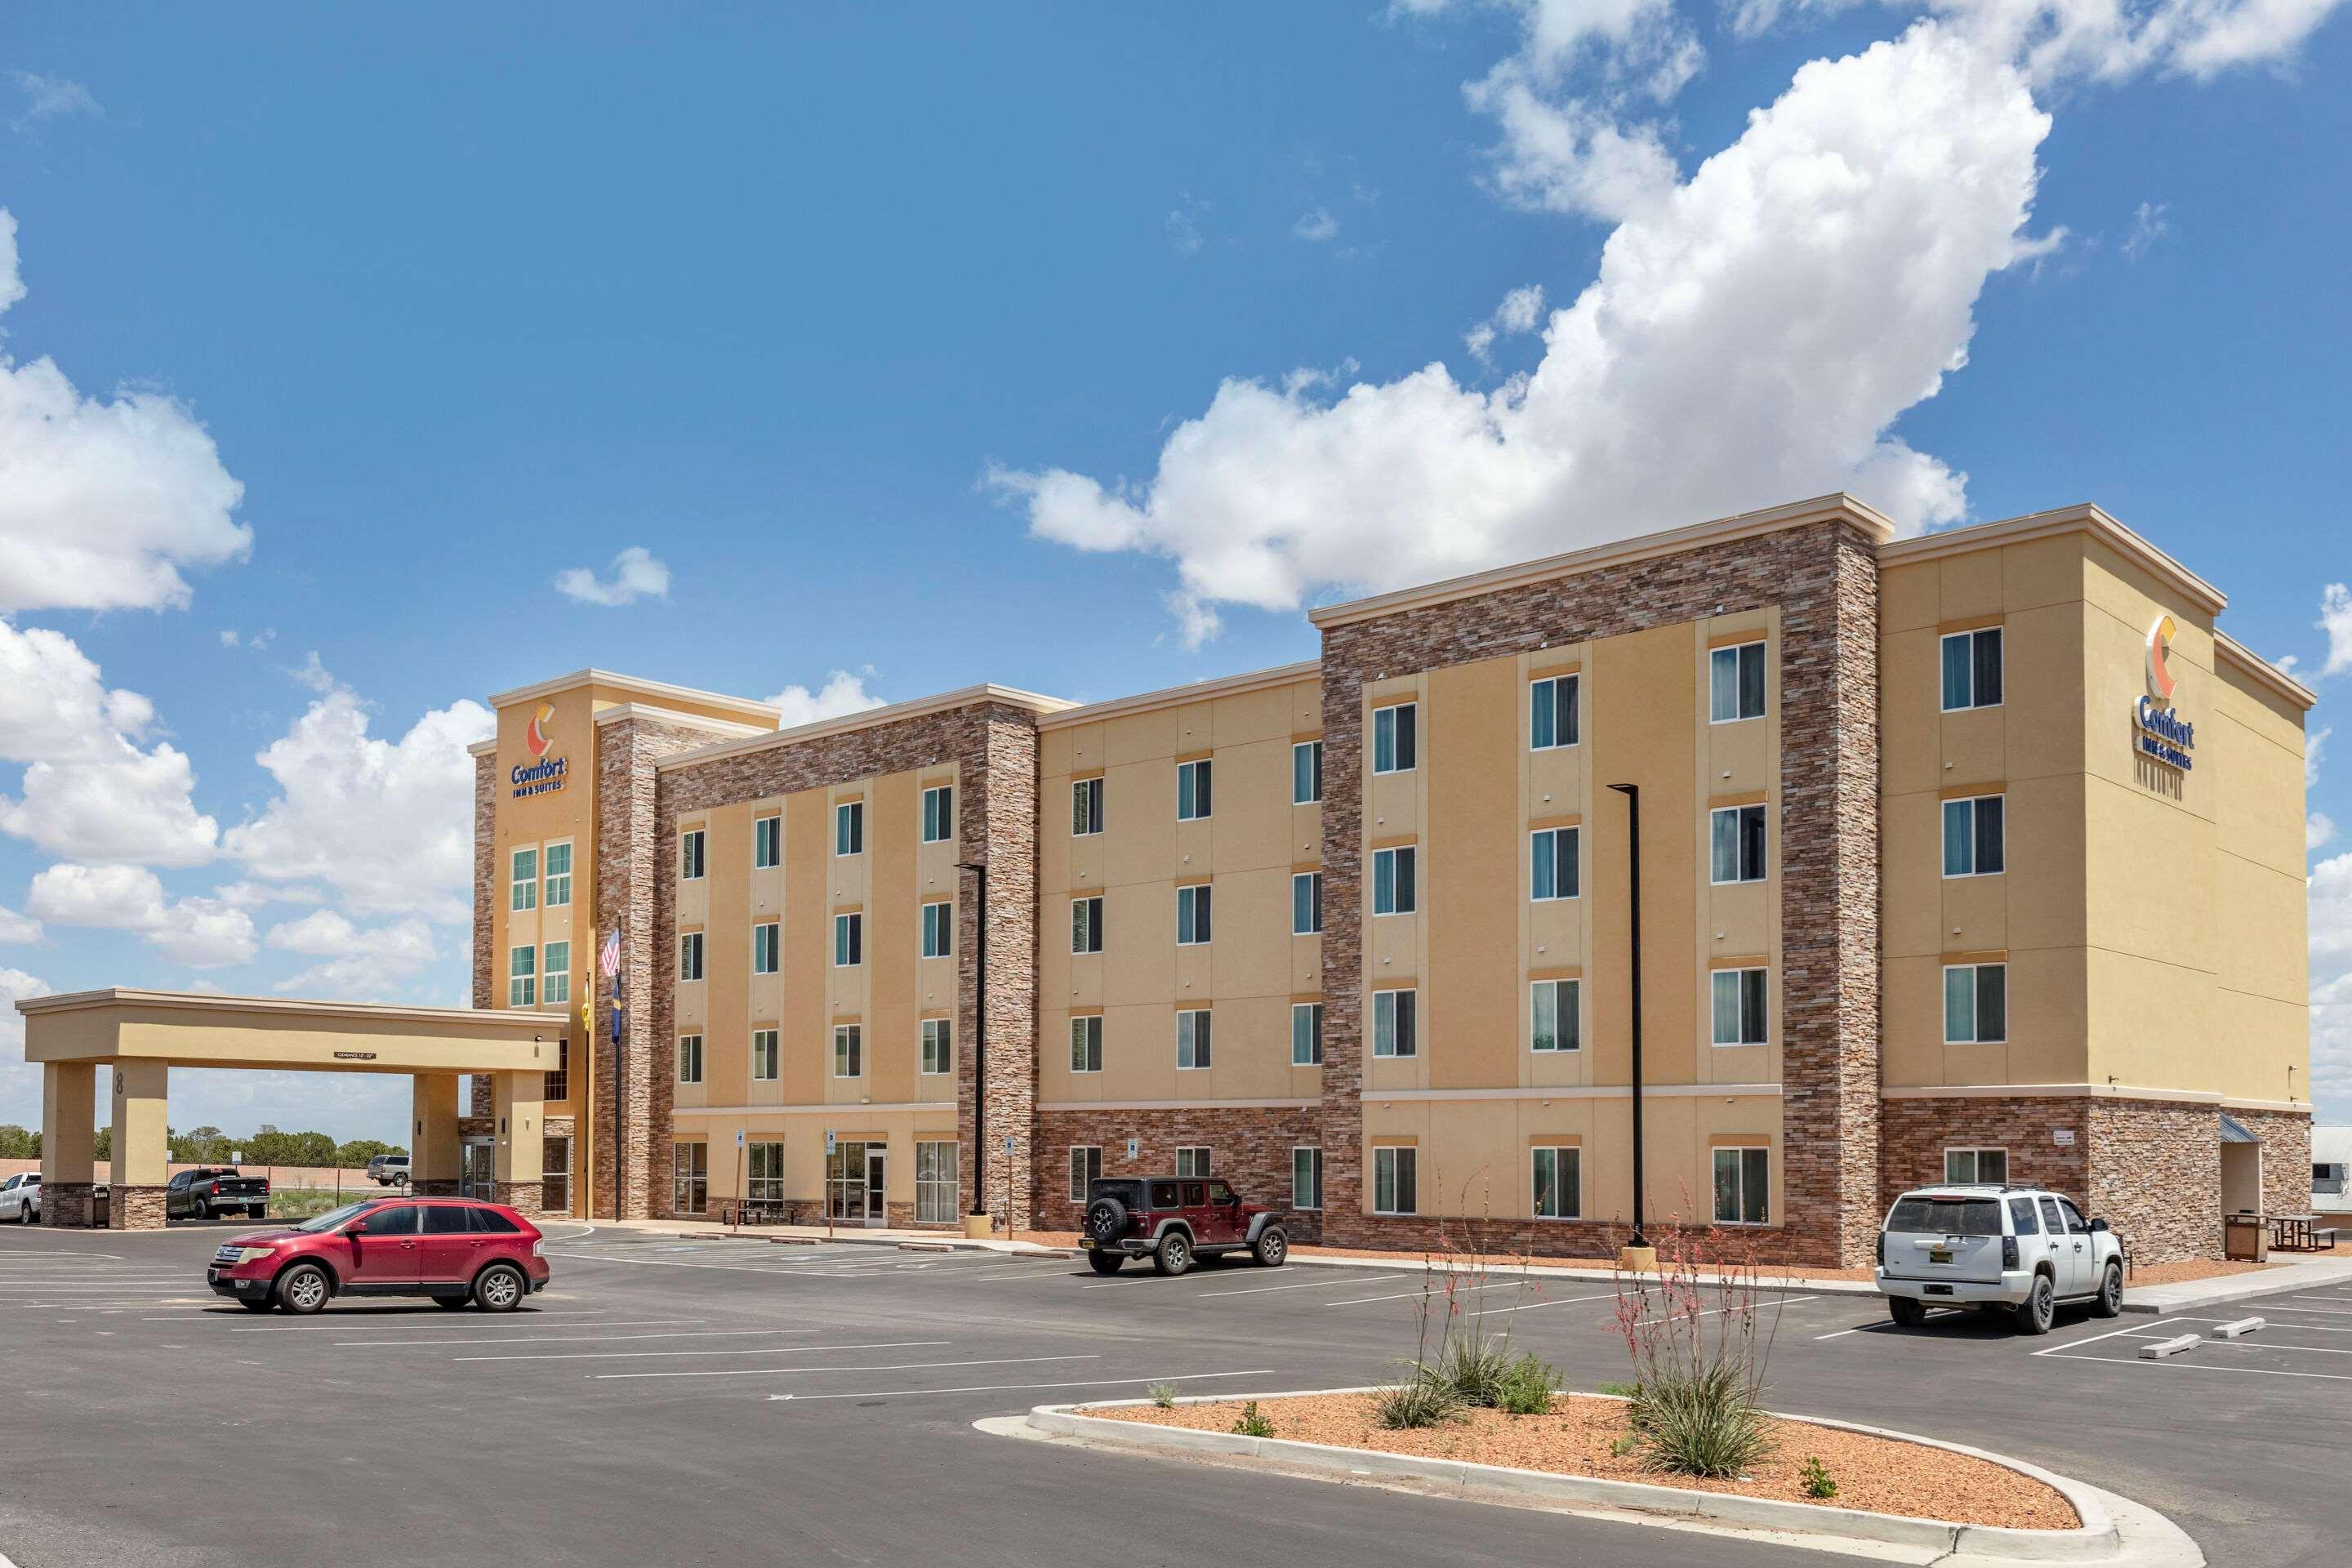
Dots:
(1939, 1290)
(1939, 1255)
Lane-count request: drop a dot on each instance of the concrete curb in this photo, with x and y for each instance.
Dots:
(2163, 1301)
(2097, 1540)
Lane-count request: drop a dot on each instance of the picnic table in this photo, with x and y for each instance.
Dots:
(747, 1213)
(2300, 1233)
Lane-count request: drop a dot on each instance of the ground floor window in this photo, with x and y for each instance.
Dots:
(1192, 1160)
(1559, 1176)
(559, 1082)
(1743, 1181)
(764, 1184)
(1396, 1180)
(935, 1183)
(689, 1189)
(1086, 1165)
(1976, 1167)
(1305, 1178)
(555, 1172)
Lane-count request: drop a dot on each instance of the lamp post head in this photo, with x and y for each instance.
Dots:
(1627, 789)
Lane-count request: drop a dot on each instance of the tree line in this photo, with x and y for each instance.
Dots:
(211, 1146)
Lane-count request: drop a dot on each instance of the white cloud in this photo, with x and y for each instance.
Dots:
(102, 502)
(841, 693)
(257, 895)
(230, 637)
(2331, 978)
(2318, 828)
(20, 1081)
(2148, 226)
(2335, 620)
(48, 98)
(1315, 225)
(636, 574)
(387, 825)
(16, 928)
(203, 934)
(1196, 623)
(1183, 224)
(360, 962)
(90, 792)
(1520, 310)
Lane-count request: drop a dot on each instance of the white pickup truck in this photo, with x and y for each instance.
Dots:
(2020, 1249)
(20, 1198)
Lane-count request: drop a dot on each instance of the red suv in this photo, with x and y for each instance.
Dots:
(1174, 1220)
(454, 1250)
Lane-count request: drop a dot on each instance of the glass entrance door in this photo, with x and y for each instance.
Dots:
(877, 1160)
(477, 1177)
(855, 1183)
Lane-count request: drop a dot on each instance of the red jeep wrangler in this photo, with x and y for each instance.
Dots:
(1174, 1220)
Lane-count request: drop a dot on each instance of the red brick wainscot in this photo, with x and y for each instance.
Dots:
(1915, 1133)
(1249, 1148)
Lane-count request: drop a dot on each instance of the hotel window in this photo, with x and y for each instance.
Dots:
(523, 987)
(1306, 771)
(555, 1172)
(689, 956)
(559, 876)
(1551, 713)
(1975, 1003)
(1193, 910)
(690, 1187)
(1085, 1166)
(1556, 862)
(689, 1059)
(849, 828)
(1306, 904)
(1735, 683)
(939, 926)
(1394, 748)
(1305, 1178)
(765, 1164)
(1738, 844)
(1192, 1037)
(938, 1046)
(767, 843)
(939, 814)
(1086, 807)
(848, 1051)
(1972, 670)
(763, 1055)
(1743, 1184)
(1558, 1182)
(935, 1182)
(1558, 1014)
(1396, 1180)
(1086, 924)
(556, 976)
(1086, 1043)
(1395, 1023)
(525, 880)
(1307, 1034)
(558, 1086)
(763, 948)
(1192, 1160)
(1192, 791)
(848, 941)
(1393, 876)
(1976, 1167)
(1973, 836)
(1739, 1006)
(690, 854)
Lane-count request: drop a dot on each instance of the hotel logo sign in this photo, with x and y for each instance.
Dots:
(2161, 734)
(544, 774)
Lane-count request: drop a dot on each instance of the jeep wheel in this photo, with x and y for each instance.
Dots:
(500, 1288)
(1105, 1220)
(1906, 1311)
(2039, 1311)
(2110, 1303)
(1175, 1254)
(303, 1288)
(1105, 1262)
(1272, 1247)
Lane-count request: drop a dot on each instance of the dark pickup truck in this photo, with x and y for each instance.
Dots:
(207, 1190)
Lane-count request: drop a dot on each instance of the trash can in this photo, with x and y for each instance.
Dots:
(101, 1205)
(2245, 1238)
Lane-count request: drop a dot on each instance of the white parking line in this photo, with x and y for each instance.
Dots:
(569, 1339)
(672, 1263)
(817, 1371)
(1009, 1387)
(2322, 1311)
(1310, 1285)
(1434, 1289)
(756, 1349)
(2111, 1334)
(1563, 1301)
(350, 1320)
(2195, 1366)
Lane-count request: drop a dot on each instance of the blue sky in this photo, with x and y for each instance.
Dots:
(894, 338)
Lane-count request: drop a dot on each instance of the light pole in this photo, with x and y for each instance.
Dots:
(979, 870)
(1633, 793)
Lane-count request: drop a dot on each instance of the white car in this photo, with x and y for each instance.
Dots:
(2023, 1249)
(20, 1198)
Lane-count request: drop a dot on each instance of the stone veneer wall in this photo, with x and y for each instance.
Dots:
(996, 749)
(1249, 1146)
(2286, 1157)
(135, 1208)
(486, 854)
(1914, 1134)
(1824, 578)
(2156, 1176)
(68, 1204)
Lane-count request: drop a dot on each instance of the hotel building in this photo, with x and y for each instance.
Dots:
(1977, 856)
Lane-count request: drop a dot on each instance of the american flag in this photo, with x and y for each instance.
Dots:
(608, 961)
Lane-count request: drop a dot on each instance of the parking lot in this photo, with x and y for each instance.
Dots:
(723, 1401)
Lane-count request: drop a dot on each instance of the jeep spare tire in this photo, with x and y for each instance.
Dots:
(1106, 1219)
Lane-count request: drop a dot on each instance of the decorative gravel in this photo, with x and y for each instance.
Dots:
(1581, 1433)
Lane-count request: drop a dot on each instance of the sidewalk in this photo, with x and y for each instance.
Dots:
(2162, 1300)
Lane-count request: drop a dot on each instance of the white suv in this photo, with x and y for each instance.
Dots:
(20, 1198)
(2019, 1247)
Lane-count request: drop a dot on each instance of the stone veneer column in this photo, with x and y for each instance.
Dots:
(999, 830)
(1824, 578)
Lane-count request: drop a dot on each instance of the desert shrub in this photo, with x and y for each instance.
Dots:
(1475, 1366)
(1698, 1337)
(1703, 1424)
(1252, 1423)
(1421, 1399)
(1817, 1479)
(1164, 1394)
(1526, 1386)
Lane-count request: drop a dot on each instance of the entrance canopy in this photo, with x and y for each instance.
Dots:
(138, 1037)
